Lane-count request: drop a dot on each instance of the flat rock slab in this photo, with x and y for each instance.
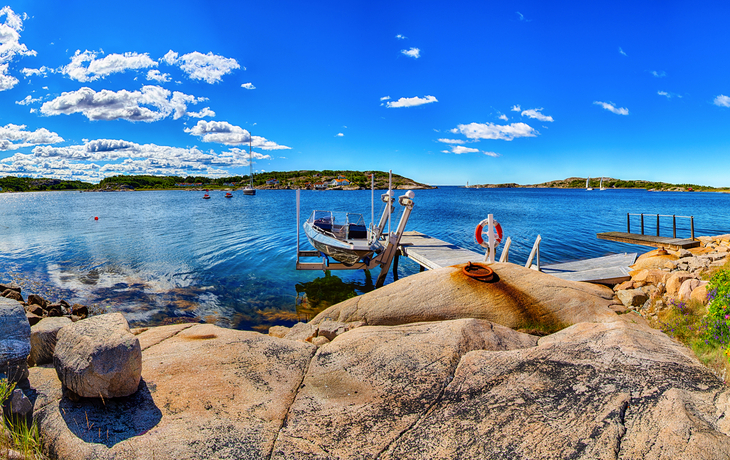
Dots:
(372, 383)
(518, 298)
(206, 392)
(611, 390)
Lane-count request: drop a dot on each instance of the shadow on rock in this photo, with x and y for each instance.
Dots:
(110, 421)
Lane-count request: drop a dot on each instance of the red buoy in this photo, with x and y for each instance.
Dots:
(96, 218)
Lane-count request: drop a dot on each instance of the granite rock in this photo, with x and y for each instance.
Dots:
(14, 341)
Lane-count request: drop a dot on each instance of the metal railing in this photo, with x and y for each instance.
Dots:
(674, 223)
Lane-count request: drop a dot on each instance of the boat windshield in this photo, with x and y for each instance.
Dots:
(342, 225)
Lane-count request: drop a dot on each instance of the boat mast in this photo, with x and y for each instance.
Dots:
(250, 161)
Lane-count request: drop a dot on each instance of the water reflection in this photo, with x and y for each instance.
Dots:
(319, 294)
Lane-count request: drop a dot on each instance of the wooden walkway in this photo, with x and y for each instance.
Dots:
(611, 269)
(649, 240)
(432, 253)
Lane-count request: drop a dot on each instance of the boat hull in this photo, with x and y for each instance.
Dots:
(349, 252)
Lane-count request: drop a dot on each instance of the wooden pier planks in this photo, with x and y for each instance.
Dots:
(649, 240)
(432, 253)
(611, 269)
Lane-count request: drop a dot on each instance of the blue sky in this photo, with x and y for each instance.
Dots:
(442, 92)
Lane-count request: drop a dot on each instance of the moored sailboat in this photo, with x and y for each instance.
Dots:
(249, 190)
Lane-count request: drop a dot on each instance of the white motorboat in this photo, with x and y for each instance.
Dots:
(342, 236)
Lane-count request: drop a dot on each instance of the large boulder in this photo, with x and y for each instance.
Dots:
(14, 341)
(373, 383)
(632, 297)
(518, 298)
(43, 339)
(675, 281)
(653, 260)
(611, 390)
(207, 392)
(99, 357)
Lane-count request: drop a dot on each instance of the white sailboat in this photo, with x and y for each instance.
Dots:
(249, 190)
(588, 187)
(601, 187)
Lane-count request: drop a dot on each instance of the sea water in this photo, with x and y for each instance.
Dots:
(170, 256)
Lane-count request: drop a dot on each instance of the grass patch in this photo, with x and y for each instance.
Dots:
(17, 435)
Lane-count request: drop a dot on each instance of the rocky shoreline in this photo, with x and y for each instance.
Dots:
(436, 365)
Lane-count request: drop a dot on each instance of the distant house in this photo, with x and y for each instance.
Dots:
(319, 186)
(272, 182)
(339, 176)
(339, 182)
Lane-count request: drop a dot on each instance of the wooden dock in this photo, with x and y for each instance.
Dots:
(649, 240)
(611, 269)
(432, 253)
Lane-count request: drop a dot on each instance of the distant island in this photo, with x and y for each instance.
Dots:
(610, 182)
(276, 180)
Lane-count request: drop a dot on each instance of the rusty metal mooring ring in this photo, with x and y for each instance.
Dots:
(478, 271)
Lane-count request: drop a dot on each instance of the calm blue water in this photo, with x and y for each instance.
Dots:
(170, 255)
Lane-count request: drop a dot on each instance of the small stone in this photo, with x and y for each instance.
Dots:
(12, 294)
(11, 286)
(632, 297)
(623, 286)
(329, 329)
(55, 311)
(35, 309)
(35, 299)
(670, 265)
(304, 332)
(32, 318)
(320, 340)
(700, 293)
(79, 310)
(675, 282)
(18, 408)
(683, 253)
(278, 331)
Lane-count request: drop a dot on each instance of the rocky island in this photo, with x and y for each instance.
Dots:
(610, 183)
(436, 365)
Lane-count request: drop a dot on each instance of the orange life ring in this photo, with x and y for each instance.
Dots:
(497, 230)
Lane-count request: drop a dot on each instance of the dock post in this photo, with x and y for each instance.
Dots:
(674, 226)
(657, 225)
(628, 223)
(692, 223)
(298, 226)
(491, 235)
(642, 223)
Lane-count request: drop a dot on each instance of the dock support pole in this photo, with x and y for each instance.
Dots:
(628, 223)
(692, 223)
(298, 226)
(674, 226)
(642, 223)
(657, 225)
(491, 236)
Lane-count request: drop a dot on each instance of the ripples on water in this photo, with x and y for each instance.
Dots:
(171, 256)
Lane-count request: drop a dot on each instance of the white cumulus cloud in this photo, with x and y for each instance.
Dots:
(248, 86)
(459, 149)
(415, 53)
(28, 100)
(503, 117)
(16, 136)
(659, 74)
(206, 112)
(152, 103)
(222, 132)
(722, 101)
(155, 75)
(198, 66)
(10, 45)
(480, 131)
(516, 108)
(664, 93)
(452, 141)
(612, 108)
(492, 154)
(86, 67)
(411, 102)
(400, 37)
(536, 114)
(385, 98)
(339, 135)
(621, 51)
